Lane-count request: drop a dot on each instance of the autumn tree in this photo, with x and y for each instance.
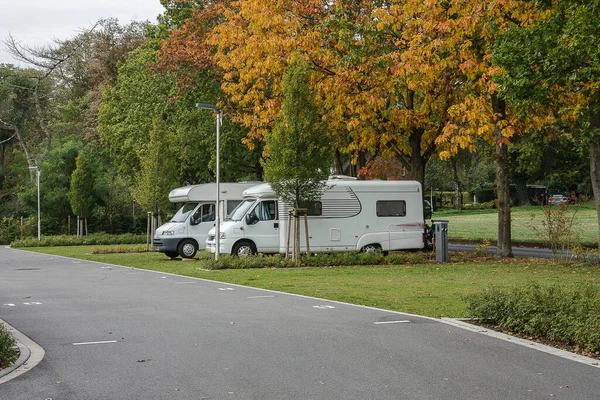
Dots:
(480, 110)
(297, 149)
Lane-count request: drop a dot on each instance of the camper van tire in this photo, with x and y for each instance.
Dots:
(188, 248)
(371, 248)
(244, 249)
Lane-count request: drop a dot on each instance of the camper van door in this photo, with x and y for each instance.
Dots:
(262, 225)
(201, 221)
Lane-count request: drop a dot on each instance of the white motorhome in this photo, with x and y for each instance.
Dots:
(187, 231)
(351, 215)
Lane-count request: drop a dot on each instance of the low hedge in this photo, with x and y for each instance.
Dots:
(314, 260)
(70, 240)
(557, 313)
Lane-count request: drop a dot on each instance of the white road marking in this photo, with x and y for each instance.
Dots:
(9, 304)
(161, 277)
(391, 322)
(102, 342)
(227, 288)
(323, 307)
(259, 297)
(106, 267)
(33, 303)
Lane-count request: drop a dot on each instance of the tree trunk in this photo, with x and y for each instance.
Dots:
(595, 175)
(457, 185)
(296, 238)
(504, 247)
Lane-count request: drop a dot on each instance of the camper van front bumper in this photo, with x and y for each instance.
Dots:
(163, 245)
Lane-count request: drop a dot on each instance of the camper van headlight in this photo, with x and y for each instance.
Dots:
(168, 233)
(222, 235)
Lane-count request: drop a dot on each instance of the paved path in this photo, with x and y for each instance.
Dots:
(120, 333)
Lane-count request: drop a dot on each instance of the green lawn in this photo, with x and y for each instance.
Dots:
(426, 288)
(476, 225)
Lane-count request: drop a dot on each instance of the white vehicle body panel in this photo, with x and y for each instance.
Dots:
(199, 202)
(353, 214)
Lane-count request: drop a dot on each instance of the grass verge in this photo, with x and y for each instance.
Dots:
(479, 224)
(419, 286)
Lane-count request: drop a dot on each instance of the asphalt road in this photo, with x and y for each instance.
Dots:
(120, 333)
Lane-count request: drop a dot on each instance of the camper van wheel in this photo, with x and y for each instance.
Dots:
(244, 249)
(171, 254)
(371, 248)
(187, 248)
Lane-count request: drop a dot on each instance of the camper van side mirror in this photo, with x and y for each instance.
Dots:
(251, 218)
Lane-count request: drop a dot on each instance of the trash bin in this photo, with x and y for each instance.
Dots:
(440, 236)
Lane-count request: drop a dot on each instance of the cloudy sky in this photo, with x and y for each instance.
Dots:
(37, 22)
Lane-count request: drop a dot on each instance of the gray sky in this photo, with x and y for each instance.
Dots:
(37, 22)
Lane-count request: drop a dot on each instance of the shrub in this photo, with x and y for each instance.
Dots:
(556, 227)
(259, 261)
(71, 240)
(8, 348)
(570, 315)
(279, 260)
(10, 228)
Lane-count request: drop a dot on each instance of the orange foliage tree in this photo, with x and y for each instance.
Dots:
(481, 112)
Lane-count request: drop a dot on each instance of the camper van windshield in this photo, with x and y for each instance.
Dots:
(184, 212)
(241, 210)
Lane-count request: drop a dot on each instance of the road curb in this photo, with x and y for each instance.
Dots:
(464, 324)
(31, 355)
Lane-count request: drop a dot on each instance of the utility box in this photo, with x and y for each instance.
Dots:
(440, 236)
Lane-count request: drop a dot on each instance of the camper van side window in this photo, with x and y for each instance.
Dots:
(391, 208)
(267, 210)
(313, 208)
(208, 212)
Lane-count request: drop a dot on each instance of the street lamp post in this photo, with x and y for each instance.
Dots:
(217, 213)
(39, 230)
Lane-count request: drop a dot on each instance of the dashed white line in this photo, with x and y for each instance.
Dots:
(227, 288)
(323, 307)
(101, 342)
(391, 322)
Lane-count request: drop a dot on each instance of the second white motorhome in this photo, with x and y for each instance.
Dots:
(187, 231)
(351, 215)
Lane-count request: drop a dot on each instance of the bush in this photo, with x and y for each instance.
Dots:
(8, 348)
(346, 258)
(570, 315)
(93, 239)
(227, 261)
(279, 260)
(10, 228)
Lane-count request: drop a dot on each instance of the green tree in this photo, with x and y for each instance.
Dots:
(156, 177)
(81, 194)
(555, 63)
(298, 152)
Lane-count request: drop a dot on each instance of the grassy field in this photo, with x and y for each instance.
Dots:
(476, 225)
(424, 287)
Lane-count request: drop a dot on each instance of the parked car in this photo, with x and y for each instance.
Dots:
(557, 199)
(428, 210)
